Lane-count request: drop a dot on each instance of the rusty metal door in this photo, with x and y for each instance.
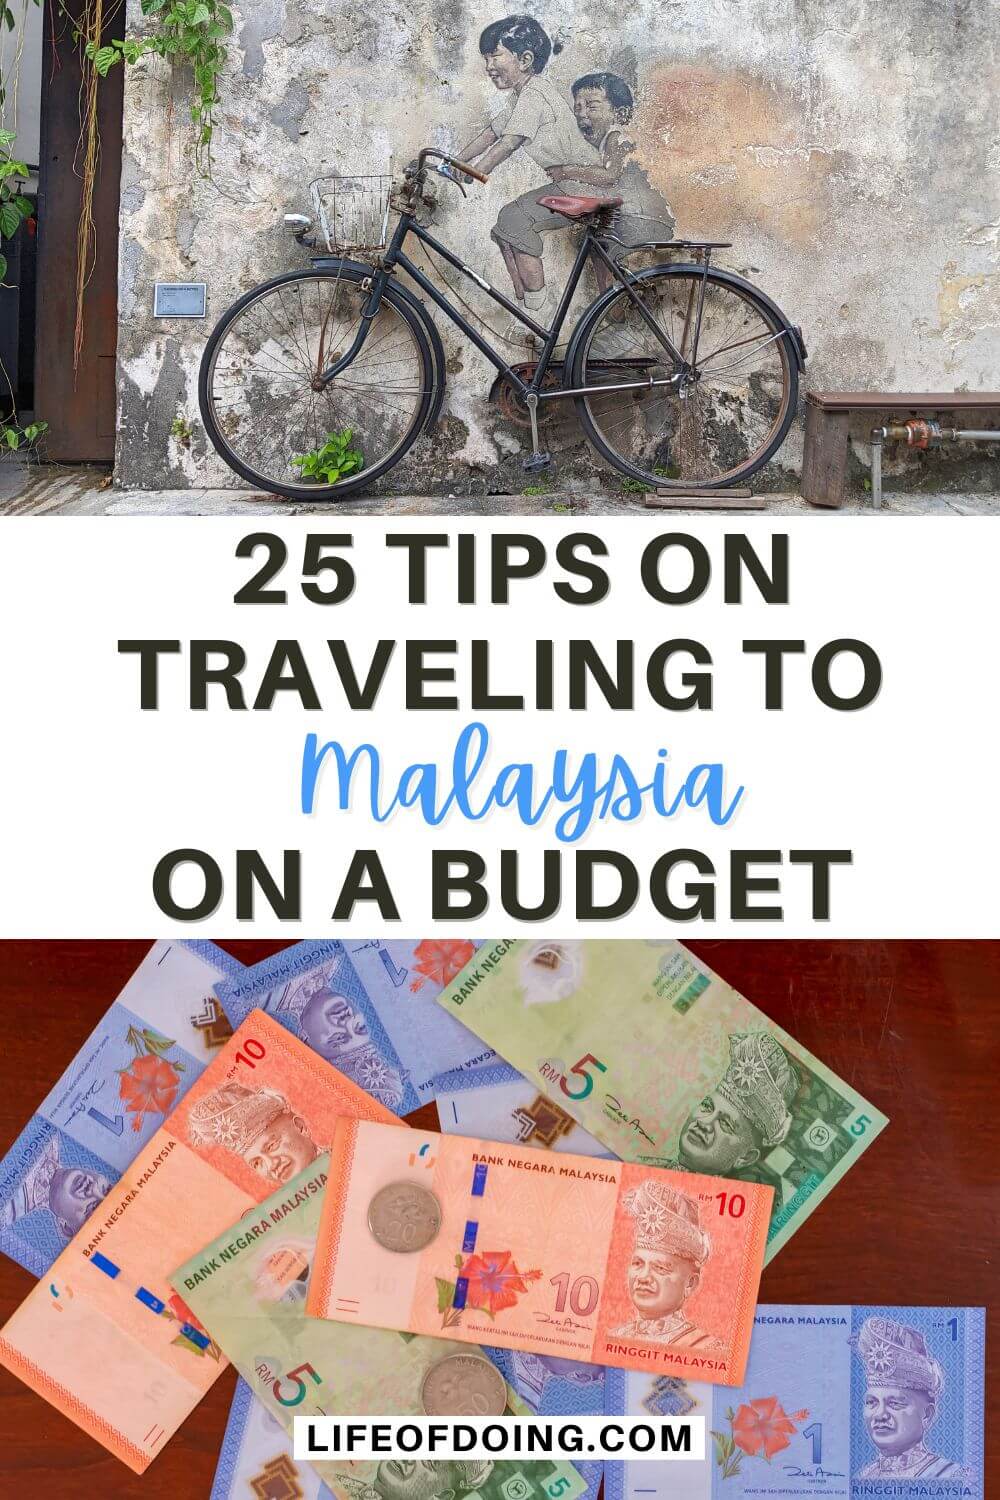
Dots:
(78, 406)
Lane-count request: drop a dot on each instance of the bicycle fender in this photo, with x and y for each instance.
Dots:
(331, 262)
(795, 338)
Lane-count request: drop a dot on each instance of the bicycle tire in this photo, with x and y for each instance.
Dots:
(769, 313)
(416, 320)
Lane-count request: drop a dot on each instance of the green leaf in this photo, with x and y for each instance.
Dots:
(446, 1293)
(3, 267)
(103, 58)
(10, 220)
(24, 206)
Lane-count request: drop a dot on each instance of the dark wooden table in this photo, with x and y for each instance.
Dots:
(912, 1025)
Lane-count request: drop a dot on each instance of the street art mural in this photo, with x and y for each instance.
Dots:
(852, 169)
(576, 139)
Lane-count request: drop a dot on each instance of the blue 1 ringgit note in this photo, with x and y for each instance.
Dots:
(257, 1459)
(134, 1068)
(368, 1008)
(850, 1403)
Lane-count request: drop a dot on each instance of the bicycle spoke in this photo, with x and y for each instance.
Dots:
(716, 423)
(263, 369)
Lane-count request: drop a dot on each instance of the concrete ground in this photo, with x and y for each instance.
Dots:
(54, 490)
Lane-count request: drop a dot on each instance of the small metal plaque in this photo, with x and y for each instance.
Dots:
(179, 299)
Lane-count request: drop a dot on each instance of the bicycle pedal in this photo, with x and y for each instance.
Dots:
(536, 462)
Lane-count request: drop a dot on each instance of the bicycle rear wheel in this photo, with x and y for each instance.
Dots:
(260, 372)
(719, 425)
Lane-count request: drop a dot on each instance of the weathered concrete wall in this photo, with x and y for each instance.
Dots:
(848, 149)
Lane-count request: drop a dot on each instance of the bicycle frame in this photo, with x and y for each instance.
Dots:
(395, 256)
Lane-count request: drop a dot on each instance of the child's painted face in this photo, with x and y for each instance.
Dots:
(595, 114)
(506, 69)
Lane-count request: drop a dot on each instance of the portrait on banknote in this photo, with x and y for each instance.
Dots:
(258, 1125)
(320, 1009)
(63, 1193)
(670, 1251)
(905, 1390)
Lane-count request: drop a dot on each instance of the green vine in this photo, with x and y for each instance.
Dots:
(15, 209)
(190, 32)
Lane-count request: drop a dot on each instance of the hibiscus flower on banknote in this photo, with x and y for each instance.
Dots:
(758, 1429)
(491, 1280)
(148, 1087)
(440, 959)
(178, 1310)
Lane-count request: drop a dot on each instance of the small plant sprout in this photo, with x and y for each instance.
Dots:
(334, 461)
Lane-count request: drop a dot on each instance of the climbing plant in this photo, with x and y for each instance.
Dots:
(14, 206)
(15, 210)
(190, 32)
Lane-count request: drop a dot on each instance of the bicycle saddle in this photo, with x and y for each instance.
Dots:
(572, 207)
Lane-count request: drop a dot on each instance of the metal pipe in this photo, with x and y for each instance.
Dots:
(597, 390)
(877, 468)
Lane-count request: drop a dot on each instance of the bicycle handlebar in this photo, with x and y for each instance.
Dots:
(451, 161)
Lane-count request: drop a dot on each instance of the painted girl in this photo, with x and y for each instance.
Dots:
(533, 116)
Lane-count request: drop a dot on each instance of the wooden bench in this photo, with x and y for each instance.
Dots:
(828, 415)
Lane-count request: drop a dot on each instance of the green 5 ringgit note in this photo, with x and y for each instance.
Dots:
(667, 1064)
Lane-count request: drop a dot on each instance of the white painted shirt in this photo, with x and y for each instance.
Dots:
(542, 114)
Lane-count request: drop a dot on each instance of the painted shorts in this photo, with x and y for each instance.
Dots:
(522, 223)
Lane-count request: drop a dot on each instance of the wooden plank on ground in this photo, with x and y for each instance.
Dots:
(700, 500)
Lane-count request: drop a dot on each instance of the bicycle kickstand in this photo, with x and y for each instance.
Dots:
(538, 459)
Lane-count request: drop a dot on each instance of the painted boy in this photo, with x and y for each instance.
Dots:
(603, 103)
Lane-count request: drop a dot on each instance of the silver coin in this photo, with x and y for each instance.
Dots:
(463, 1385)
(404, 1217)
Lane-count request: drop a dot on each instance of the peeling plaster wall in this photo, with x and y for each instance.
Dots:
(848, 150)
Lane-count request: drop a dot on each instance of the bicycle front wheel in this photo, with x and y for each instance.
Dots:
(719, 424)
(265, 405)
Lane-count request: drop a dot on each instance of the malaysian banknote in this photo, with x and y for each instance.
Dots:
(151, 1045)
(845, 1402)
(256, 1461)
(493, 1101)
(549, 1253)
(249, 1286)
(103, 1337)
(368, 1008)
(668, 1065)
(497, 1103)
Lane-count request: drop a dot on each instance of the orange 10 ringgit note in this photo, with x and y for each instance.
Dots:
(103, 1336)
(563, 1255)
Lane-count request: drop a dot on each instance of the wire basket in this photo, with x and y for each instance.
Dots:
(353, 212)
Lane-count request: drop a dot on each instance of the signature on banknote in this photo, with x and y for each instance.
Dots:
(542, 1317)
(615, 1111)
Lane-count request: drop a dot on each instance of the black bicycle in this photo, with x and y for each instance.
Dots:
(684, 375)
